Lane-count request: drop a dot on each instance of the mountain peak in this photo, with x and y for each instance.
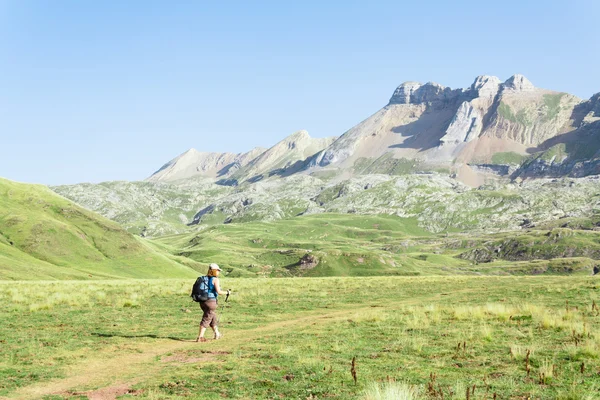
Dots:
(518, 83)
(403, 93)
(189, 153)
(486, 85)
(416, 93)
(299, 135)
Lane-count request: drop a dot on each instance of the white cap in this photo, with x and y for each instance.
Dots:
(214, 266)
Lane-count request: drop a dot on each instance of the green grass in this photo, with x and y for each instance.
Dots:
(509, 157)
(552, 103)
(45, 236)
(296, 338)
(360, 245)
(558, 243)
(324, 174)
(521, 117)
(54, 239)
(344, 244)
(556, 152)
(386, 164)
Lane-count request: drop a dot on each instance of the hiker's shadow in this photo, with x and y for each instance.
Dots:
(109, 335)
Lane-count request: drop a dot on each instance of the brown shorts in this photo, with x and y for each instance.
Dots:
(209, 318)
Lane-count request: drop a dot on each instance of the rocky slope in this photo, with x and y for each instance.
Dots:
(147, 208)
(439, 126)
(284, 158)
(574, 154)
(437, 202)
(194, 163)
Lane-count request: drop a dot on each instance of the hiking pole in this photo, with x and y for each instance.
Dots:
(226, 300)
(223, 307)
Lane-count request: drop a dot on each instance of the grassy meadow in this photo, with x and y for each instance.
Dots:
(366, 307)
(444, 337)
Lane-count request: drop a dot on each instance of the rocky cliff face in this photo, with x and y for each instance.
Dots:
(574, 154)
(468, 122)
(439, 126)
(416, 93)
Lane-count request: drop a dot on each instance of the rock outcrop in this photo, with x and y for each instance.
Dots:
(468, 122)
(417, 93)
(518, 83)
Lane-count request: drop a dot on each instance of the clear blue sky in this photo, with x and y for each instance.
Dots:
(93, 91)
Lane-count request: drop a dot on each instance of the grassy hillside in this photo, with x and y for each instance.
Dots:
(360, 245)
(332, 244)
(44, 236)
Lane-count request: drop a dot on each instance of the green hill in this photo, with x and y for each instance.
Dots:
(362, 245)
(44, 236)
(314, 245)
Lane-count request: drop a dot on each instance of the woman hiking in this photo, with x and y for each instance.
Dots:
(209, 307)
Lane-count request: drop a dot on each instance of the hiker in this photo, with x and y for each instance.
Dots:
(209, 307)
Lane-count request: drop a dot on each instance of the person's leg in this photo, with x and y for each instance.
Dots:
(200, 337)
(204, 322)
(217, 333)
(215, 320)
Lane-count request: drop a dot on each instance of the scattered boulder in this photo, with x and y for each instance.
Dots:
(308, 261)
(596, 269)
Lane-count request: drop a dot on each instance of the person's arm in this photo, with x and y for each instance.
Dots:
(218, 286)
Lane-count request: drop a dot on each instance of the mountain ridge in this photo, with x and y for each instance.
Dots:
(431, 124)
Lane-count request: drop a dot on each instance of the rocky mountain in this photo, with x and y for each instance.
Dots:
(438, 126)
(284, 158)
(490, 129)
(574, 154)
(460, 159)
(254, 165)
(194, 163)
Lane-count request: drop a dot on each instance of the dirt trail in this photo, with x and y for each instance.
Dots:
(106, 370)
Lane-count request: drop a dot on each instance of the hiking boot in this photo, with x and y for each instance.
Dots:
(200, 339)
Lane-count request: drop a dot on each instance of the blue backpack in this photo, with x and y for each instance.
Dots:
(201, 289)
